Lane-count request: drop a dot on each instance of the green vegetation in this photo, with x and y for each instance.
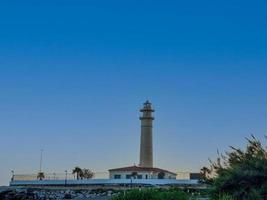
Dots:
(227, 197)
(152, 194)
(78, 172)
(40, 176)
(236, 175)
(82, 173)
(239, 173)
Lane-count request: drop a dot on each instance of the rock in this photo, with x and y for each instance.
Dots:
(4, 193)
(53, 194)
(67, 196)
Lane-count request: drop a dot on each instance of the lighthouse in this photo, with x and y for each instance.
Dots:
(145, 169)
(146, 142)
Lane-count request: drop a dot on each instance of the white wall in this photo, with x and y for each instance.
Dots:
(149, 175)
(183, 175)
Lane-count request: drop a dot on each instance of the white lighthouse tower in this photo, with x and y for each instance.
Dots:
(146, 143)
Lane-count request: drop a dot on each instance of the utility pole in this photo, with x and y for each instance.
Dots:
(41, 160)
(66, 177)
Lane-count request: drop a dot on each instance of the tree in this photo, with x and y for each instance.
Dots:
(204, 171)
(79, 173)
(40, 176)
(87, 174)
(241, 173)
(205, 175)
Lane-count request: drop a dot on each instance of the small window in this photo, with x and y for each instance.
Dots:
(146, 176)
(139, 176)
(128, 176)
(117, 176)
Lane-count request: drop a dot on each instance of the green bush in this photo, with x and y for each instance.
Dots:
(226, 197)
(240, 173)
(152, 194)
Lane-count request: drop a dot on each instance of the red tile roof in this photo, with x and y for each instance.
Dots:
(140, 169)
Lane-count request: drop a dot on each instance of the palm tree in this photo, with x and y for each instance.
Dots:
(87, 174)
(40, 176)
(79, 172)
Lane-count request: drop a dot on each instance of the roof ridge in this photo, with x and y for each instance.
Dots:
(139, 168)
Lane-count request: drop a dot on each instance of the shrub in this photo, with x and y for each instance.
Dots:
(152, 194)
(241, 173)
(226, 197)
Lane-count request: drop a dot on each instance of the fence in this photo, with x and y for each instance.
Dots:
(56, 176)
(70, 176)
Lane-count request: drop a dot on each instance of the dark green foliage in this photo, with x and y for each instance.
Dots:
(82, 173)
(226, 197)
(152, 194)
(241, 173)
(40, 176)
(78, 172)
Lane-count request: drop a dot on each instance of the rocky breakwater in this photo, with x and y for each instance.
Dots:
(54, 194)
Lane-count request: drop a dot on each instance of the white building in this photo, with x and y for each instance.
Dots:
(137, 172)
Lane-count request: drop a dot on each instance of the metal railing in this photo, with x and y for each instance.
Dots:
(55, 176)
(70, 176)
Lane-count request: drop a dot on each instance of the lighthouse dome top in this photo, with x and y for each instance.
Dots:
(147, 107)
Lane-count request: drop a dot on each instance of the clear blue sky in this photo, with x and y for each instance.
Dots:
(73, 75)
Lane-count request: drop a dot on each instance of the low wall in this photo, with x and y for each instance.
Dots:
(104, 182)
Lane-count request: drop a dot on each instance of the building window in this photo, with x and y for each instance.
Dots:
(139, 176)
(161, 175)
(128, 176)
(146, 176)
(117, 176)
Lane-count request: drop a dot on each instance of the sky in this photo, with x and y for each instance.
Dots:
(74, 74)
